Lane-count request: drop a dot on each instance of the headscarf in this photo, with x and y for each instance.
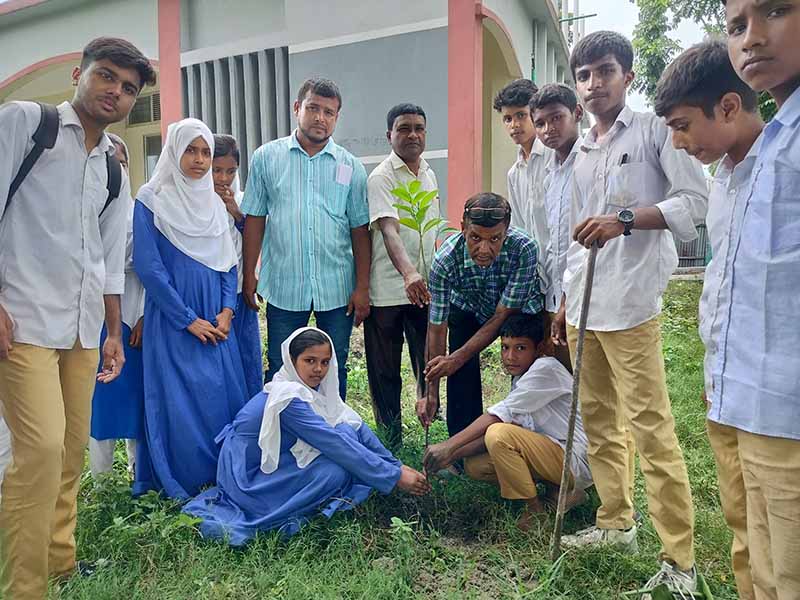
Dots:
(187, 211)
(287, 386)
(236, 235)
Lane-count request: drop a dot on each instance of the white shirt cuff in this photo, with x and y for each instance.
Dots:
(678, 218)
(115, 284)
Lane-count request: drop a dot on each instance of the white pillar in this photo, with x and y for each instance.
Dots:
(565, 15)
(540, 53)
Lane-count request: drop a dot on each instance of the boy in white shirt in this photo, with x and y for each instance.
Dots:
(630, 186)
(520, 441)
(714, 117)
(56, 285)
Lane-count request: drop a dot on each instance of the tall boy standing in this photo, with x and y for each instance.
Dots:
(714, 117)
(756, 373)
(631, 185)
(526, 175)
(63, 258)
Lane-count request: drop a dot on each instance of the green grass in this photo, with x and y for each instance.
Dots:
(459, 542)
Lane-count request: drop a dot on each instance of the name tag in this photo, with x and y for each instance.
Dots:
(344, 173)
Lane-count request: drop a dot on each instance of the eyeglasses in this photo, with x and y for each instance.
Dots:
(477, 213)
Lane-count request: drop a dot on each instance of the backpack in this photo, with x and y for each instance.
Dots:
(44, 138)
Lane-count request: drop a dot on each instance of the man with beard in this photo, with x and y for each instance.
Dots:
(315, 246)
(62, 251)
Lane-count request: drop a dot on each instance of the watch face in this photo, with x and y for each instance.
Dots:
(625, 216)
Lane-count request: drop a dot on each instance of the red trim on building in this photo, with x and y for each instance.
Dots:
(169, 56)
(464, 104)
(11, 6)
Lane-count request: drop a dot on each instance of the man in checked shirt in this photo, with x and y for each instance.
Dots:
(479, 278)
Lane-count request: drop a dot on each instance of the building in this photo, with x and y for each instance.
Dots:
(237, 64)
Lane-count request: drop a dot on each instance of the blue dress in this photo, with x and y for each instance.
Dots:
(191, 390)
(246, 500)
(245, 323)
(117, 406)
(249, 337)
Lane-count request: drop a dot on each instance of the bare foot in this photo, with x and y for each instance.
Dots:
(530, 516)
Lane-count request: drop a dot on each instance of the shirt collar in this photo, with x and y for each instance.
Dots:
(789, 113)
(538, 149)
(399, 163)
(552, 159)
(624, 118)
(328, 149)
(69, 118)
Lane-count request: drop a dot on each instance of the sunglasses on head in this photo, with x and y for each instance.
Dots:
(478, 214)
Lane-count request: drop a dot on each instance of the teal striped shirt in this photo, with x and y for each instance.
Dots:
(312, 204)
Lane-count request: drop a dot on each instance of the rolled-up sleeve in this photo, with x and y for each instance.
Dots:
(687, 198)
(113, 232)
(439, 286)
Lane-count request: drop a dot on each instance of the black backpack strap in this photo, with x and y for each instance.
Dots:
(44, 138)
(114, 179)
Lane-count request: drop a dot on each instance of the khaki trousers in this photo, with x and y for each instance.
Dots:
(47, 403)
(732, 494)
(623, 385)
(771, 471)
(516, 458)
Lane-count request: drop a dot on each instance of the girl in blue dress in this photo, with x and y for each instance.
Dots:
(185, 258)
(225, 171)
(295, 451)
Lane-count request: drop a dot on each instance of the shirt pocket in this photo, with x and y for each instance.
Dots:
(336, 201)
(628, 183)
(785, 209)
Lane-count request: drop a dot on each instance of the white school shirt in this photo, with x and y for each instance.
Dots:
(558, 202)
(386, 287)
(540, 400)
(631, 272)
(526, 197)
(726, 190)
(132, 301)
(58, 257)
(756, 373)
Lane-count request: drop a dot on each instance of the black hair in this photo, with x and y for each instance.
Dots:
(117, 141)
(488, 200)
(598, 44)
(320, 87)
(700, 77)
(554, 93)
(123, 54)
(517, 93)
(524, 325)
(403, 109)
(225, 145)
(306, 340)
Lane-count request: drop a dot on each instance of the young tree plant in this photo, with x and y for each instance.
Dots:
(415, 202)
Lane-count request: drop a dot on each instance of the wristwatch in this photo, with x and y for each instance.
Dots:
(625, 216)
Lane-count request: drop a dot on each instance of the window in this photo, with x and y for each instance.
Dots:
(152, 150)
(146, 109)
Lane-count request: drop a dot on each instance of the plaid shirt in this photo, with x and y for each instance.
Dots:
(511, 280)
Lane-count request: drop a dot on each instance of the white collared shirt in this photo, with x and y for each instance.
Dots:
(540, 401)
(386, 287)
(756, 373)
(632, 272)
(58, 256)
(558, 203)
(726, 190)
(526, 197)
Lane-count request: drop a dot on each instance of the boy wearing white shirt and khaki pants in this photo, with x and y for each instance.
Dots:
(62, 251)
(631, 185)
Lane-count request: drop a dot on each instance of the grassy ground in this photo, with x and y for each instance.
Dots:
(459, 542)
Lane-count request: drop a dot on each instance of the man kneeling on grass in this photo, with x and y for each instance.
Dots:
(520, 441)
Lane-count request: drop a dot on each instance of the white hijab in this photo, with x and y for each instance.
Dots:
(287, 386)
(236, 235)
(187, 211)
